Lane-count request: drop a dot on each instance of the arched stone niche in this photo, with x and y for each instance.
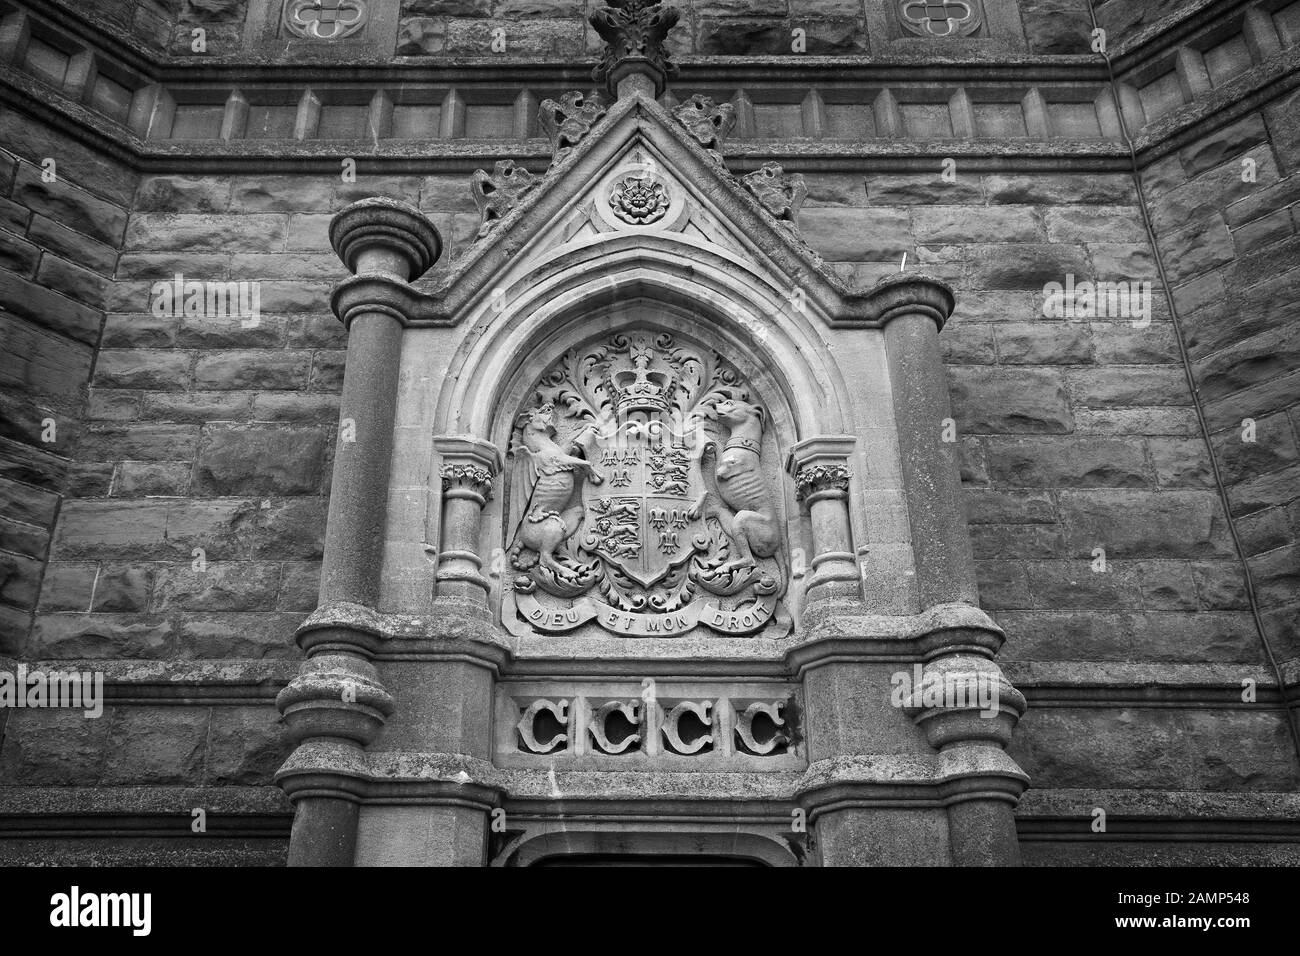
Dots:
(708, 303)
(643, 491)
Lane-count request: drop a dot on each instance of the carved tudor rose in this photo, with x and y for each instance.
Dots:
(639, 200)
(324, 19)
(641, 497)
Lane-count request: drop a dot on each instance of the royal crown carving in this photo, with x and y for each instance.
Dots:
(643, 497)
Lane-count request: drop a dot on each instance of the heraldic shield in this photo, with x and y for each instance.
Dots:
(640, 501)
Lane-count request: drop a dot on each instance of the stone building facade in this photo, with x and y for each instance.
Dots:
(446, 456)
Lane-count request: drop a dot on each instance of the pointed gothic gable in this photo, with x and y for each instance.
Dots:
(590, 195)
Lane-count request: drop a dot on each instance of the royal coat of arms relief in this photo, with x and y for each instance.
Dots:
(641, 497)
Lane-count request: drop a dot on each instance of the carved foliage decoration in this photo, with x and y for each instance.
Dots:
(642, 497)
(567, 120)
(940, 18)
(781, 193)
(814, 479)
(325, 19)
(633, 29)
(709, 122)
(497, 193)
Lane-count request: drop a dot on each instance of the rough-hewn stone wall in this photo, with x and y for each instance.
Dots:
(63, 213)
(186, 443)
(1226, 212)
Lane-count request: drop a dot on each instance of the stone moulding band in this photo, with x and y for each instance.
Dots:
(867, 780)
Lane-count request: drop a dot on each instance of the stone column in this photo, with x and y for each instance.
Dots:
(820, 467)
(897, 778)
(337, 704)
(965, 706)
(469, 467)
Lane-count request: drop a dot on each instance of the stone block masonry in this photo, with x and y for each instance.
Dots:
(165, 478)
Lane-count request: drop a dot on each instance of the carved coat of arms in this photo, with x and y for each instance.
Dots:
(640, 498)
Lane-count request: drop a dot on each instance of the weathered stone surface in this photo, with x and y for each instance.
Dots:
(96, 636)
(1056, 26)
(1001, 401)
(54, 747)
(262, 368)
(1222, 144)
(1043, 343)
(1181, 462)
(1133, 524)
(183, 194)
(922, 189)
(733, 37)
(202, 232)
(253, 459)
(221, 586)
(1138, 385)
(245, 747)
(143, 368)
(1260, 358)
(47, 309)
(1059, 189)
(141, 442)
(959, 224)
(70, 206)
(848, 234)
(250, 635)
(1205, 245)
(157, 745)
(1025, 265)
(1072, 463)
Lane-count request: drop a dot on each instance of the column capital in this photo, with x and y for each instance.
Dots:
(912, 293)
(387, 236)
(468, 450)
(821, 464)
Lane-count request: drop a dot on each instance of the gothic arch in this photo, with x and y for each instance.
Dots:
(688, 287)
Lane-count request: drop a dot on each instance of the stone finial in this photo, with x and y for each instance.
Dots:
(709, 122)
(497, 193)
(781, 193)
(567, 120)
(634, 32)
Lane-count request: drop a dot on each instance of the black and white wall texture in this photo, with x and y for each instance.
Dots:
(773, 432)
